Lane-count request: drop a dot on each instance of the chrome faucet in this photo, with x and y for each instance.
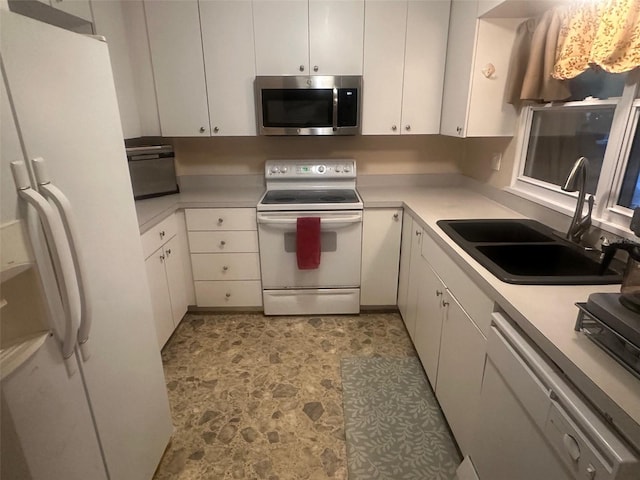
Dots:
(576, 182)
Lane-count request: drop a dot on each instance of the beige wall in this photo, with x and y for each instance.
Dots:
(476, 160)
(412, 154)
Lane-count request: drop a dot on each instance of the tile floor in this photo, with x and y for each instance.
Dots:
(255, 397)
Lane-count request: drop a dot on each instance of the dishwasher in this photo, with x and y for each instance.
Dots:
(535, 425)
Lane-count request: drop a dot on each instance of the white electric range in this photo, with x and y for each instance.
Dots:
(310, 188)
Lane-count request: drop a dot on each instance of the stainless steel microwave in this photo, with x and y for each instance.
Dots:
(308, 105)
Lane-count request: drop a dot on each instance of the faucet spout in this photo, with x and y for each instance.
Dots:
(576, 182)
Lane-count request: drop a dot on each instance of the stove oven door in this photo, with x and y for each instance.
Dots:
(340, 240)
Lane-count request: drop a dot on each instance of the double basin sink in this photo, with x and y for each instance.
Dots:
(526, 252)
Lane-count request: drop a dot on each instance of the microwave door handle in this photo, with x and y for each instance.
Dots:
(335, 109)
(54, 235)
(60, 200)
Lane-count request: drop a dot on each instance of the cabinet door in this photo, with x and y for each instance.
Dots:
(429, 312)
(457, 77)
(460, 369)
(281, 30)
(162, 314)
(384, 39)
(405, 264)
(229, 60)
(424, 61)
(174, 269)
(381, 229)
(176, 54)
(336, 37)
(414, 281)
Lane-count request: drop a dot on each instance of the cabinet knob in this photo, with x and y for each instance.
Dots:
(201, 129)
(438, 293)
(228, 295)
(407, 128)
(162, 258)
(225, 268)
(396, 216)
(167, 252)
(216, 129)
(220, 220)
(459, 129)
(315, 68)
(302, 68)
(445, 304)
(222, 243)
(394, 127)
(418, 233)
(162, 234)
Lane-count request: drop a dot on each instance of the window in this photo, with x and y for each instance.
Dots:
(598, 122)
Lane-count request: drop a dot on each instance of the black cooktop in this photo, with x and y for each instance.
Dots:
(275, 197)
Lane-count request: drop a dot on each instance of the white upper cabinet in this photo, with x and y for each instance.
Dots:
(336, 36)
(302, 37)
(405, 45)
(476, 71)
(177, 58)
(384, 37)
(424, 61)
(281, 37)
(229, 61)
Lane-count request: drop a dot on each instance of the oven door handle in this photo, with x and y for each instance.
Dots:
(347, 220)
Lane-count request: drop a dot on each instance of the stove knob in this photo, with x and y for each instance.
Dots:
(321, 168)
(347, 169)
(284, 169)
(275, 169)
(338, 168)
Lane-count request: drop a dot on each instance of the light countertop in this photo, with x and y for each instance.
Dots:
(546, 313)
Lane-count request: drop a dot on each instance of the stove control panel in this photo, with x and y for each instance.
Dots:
(291, 169)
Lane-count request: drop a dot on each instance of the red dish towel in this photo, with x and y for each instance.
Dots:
(308, 242)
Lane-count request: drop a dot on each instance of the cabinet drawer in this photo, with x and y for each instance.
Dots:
(157, 236)
(474, 301)
(225, 266)
(223, 242)
(228, 293)
(221, 219)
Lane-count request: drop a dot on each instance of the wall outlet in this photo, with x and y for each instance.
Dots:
(496, 160)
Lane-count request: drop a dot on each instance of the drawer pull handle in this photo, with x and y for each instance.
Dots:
(228, 295)
(222, 243)
(396, 216)
(225, 268)
(220, 220)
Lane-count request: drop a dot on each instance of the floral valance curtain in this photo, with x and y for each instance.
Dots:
(567, 40)
(603, 33)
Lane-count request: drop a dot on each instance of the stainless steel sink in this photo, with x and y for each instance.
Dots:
(523, 251)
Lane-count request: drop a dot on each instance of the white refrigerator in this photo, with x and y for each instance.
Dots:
(82, 388)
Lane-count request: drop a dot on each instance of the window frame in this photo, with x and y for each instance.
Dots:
(606, 214)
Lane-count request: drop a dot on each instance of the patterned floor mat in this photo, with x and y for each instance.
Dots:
(395, 429)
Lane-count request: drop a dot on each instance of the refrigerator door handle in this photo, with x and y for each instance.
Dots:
(54, 234)
(60, 200)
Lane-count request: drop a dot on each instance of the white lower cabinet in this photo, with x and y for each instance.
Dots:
(224, 257)
(444, 327)
(167, 273)
(381, 230)
(460, 369)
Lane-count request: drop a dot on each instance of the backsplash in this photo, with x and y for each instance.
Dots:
(375, 155)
